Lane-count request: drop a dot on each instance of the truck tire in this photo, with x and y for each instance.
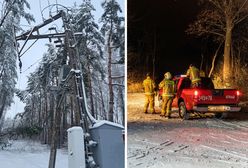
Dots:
(183, 113)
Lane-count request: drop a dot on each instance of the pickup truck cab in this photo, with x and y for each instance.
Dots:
(203, 99)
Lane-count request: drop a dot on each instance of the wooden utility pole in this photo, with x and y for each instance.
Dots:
(81, 111)
(55, 131)
(71, 47)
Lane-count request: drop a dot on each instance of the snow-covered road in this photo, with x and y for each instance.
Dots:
(202, 142)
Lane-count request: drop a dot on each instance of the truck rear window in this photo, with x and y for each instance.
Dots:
(206, 83)
(186, 84)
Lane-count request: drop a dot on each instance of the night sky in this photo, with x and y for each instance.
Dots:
(162, 23)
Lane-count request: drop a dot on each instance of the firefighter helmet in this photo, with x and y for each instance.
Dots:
(167, 75)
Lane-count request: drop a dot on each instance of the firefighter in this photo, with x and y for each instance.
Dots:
(149, 87)
(167, 85)
(194, 74)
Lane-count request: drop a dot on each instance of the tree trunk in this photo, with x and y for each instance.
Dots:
(44, 120)
(32, 111)
(202, 60)
(227, 52)
(40, 110)
(111, 93)
(102, 101)
(3, 103)
(154, 53)
(52, 114)
(64, 123)
(76, 110)
(55, 131)
(91, 91)
(72, 110)
(213, 61)
(96, 109)
(121, 97)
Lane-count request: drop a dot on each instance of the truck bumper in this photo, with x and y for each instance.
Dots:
(217, 108)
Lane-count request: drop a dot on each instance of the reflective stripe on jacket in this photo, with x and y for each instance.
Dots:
(148, 93)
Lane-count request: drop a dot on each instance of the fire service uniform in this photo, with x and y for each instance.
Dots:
(167, 85)
(194, 74)
(149, 87)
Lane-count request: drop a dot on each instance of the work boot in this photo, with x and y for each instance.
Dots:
(168, 115)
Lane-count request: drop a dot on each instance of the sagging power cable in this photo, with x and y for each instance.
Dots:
(32, 65)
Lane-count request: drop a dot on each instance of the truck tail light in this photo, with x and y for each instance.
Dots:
(238, 93)
(195, 93)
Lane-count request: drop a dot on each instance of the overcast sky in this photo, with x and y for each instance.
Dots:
(30, 60)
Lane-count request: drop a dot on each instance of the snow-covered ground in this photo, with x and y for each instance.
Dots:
(202, 142)
(30, 154)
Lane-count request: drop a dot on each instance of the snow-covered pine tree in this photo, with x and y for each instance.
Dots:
(90, 50)
(11, 13)
(39, 95)
(113, 31)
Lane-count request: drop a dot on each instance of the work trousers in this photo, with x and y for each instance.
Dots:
(149, 100)
(166, 105)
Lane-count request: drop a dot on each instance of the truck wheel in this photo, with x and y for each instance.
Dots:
(183, 113)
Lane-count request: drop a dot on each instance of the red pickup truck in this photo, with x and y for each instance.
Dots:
(203, 99)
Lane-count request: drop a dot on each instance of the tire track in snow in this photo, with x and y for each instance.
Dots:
(218, 137)
(229, 125)
(215, 123)
(146, 141)
(234, 124)
(238, 155)
(181, 147)
(150, 148)
(152, 151)
(234, 139)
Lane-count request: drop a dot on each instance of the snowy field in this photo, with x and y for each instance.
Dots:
(29, 154)
(201, 142)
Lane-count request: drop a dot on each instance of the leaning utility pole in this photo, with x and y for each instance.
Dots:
(71, 54)
(75, 62)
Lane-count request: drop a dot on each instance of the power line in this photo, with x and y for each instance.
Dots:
(32, 65)
(57, 6)
(41, 11)
(28, 48)
(25, 25)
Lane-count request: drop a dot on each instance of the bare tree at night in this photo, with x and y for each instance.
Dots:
(224, 21)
